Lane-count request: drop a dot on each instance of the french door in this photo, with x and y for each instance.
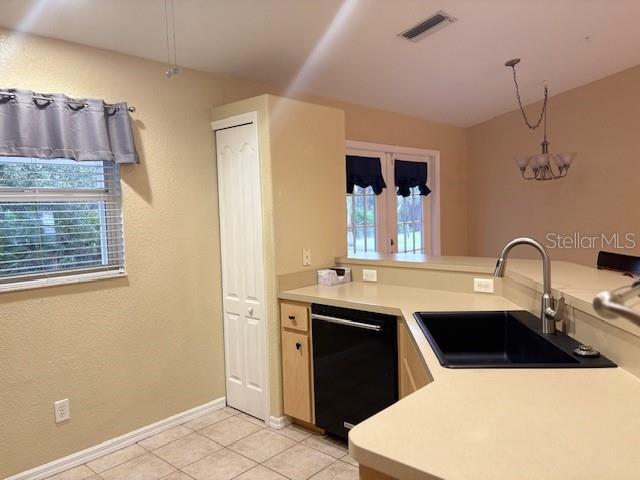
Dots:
(389, 223)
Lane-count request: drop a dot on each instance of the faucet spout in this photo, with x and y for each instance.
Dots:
(550, 309)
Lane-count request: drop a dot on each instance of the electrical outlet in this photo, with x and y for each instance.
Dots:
(61, 410)
(306, 257)
(369, 275)
(483, 285)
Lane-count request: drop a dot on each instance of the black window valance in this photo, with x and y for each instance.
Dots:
(364, 172)
(55, 126)
(409, 175)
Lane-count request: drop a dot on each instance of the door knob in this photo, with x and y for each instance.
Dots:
(250, 310)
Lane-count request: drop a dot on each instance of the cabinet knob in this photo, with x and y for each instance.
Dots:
(298, 345)
(250, 310)
(292, 317)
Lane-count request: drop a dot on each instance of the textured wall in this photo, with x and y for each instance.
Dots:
(600, 194)
(303, 178)
(127, 352)
(131, 351)
(379, 126)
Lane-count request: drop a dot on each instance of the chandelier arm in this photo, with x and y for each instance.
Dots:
(553, 174)
(524, 114)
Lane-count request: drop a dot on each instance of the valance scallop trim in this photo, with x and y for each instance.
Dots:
(364, 172)
(411, 174)
(56, 126)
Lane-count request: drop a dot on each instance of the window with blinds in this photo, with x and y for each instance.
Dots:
(58, 218)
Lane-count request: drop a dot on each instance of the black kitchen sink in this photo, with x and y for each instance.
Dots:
(505, 339)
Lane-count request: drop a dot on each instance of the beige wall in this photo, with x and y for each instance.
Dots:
(302, 168)
(378, 126)
(132, 351)
(600, 121)
(309, 178)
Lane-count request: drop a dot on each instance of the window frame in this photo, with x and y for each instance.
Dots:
(386, 221)
(109, 195)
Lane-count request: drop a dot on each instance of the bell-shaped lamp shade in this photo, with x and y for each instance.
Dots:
(522, 161)
(570, 158)
(564, 159)
(541, 160)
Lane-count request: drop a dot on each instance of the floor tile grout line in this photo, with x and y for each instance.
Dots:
(237, 414)
(118, 464)
(233, 451)
(147, 450)
(266, 459)
(163, 460)
(318, 450)
(323, 469)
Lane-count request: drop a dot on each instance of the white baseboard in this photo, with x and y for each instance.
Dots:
(109, 446)
(279, 422)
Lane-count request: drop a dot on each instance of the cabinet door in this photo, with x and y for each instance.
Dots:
(296, 376)
(413, 374)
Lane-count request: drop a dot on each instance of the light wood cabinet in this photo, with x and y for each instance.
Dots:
(296, 375)
(297, 371)
(294, 315)
(412, 373)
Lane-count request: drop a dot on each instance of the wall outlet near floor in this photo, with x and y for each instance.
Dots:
(61, 410)
(369, 275)
(306, 257)
(483, 285)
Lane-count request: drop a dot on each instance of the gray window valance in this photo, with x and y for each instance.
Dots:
(56, 126)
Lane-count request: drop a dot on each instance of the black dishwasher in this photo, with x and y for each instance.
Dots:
(355, 366)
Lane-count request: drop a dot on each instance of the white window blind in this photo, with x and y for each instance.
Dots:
(58, 219)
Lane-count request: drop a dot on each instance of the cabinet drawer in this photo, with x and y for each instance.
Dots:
(294, 315)
(296, 376)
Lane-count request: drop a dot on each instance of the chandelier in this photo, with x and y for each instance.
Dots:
(540, 166)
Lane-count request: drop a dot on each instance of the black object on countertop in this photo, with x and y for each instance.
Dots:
(618, 262)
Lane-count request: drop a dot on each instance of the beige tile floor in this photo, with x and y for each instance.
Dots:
(223, 445)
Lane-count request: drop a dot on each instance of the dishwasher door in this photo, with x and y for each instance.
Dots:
(355, 366)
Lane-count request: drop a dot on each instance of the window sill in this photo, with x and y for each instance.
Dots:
(62, 280)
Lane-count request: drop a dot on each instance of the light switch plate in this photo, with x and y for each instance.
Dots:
(306, 257)
(483, 285)
(369, 275)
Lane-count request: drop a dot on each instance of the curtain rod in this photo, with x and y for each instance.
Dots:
(50, 100)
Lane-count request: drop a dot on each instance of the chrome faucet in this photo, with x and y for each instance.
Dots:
(551, 310)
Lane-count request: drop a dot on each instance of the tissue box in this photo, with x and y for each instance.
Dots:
(334, 276)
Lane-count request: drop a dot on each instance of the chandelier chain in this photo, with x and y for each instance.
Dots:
(531, 126)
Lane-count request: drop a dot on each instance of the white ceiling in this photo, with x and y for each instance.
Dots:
(349, 49)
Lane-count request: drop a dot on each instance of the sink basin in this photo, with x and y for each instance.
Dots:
(505, 339)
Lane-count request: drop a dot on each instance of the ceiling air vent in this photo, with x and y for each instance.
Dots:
(434, 22)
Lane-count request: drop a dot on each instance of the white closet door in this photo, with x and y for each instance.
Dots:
(242, 268)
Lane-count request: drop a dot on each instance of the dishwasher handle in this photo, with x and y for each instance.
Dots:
(348, 323)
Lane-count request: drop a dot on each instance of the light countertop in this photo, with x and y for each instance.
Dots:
(578, 284)
(492, 423)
